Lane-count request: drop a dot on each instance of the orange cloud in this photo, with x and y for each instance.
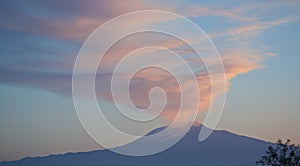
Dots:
(258, 27)
(82, 19)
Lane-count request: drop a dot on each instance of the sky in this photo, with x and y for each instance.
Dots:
(40, 40)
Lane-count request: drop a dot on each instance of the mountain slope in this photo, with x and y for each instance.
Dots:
(222, 148)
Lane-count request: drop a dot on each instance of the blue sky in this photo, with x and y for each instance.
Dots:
(40, 41)
(270, 97)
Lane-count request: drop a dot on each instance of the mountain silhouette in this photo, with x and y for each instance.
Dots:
(222, 148)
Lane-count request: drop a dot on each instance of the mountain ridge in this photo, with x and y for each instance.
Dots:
(221, 148)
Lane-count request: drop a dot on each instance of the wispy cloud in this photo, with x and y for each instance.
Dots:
(253, 29)
(52, 20)
(71, 21)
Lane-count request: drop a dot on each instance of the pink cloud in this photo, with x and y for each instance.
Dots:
(83, 18)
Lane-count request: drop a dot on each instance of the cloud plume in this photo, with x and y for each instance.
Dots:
(49, 66)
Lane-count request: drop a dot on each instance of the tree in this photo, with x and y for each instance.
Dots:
(283, 154)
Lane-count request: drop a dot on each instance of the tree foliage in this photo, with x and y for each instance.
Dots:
(283, 154)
